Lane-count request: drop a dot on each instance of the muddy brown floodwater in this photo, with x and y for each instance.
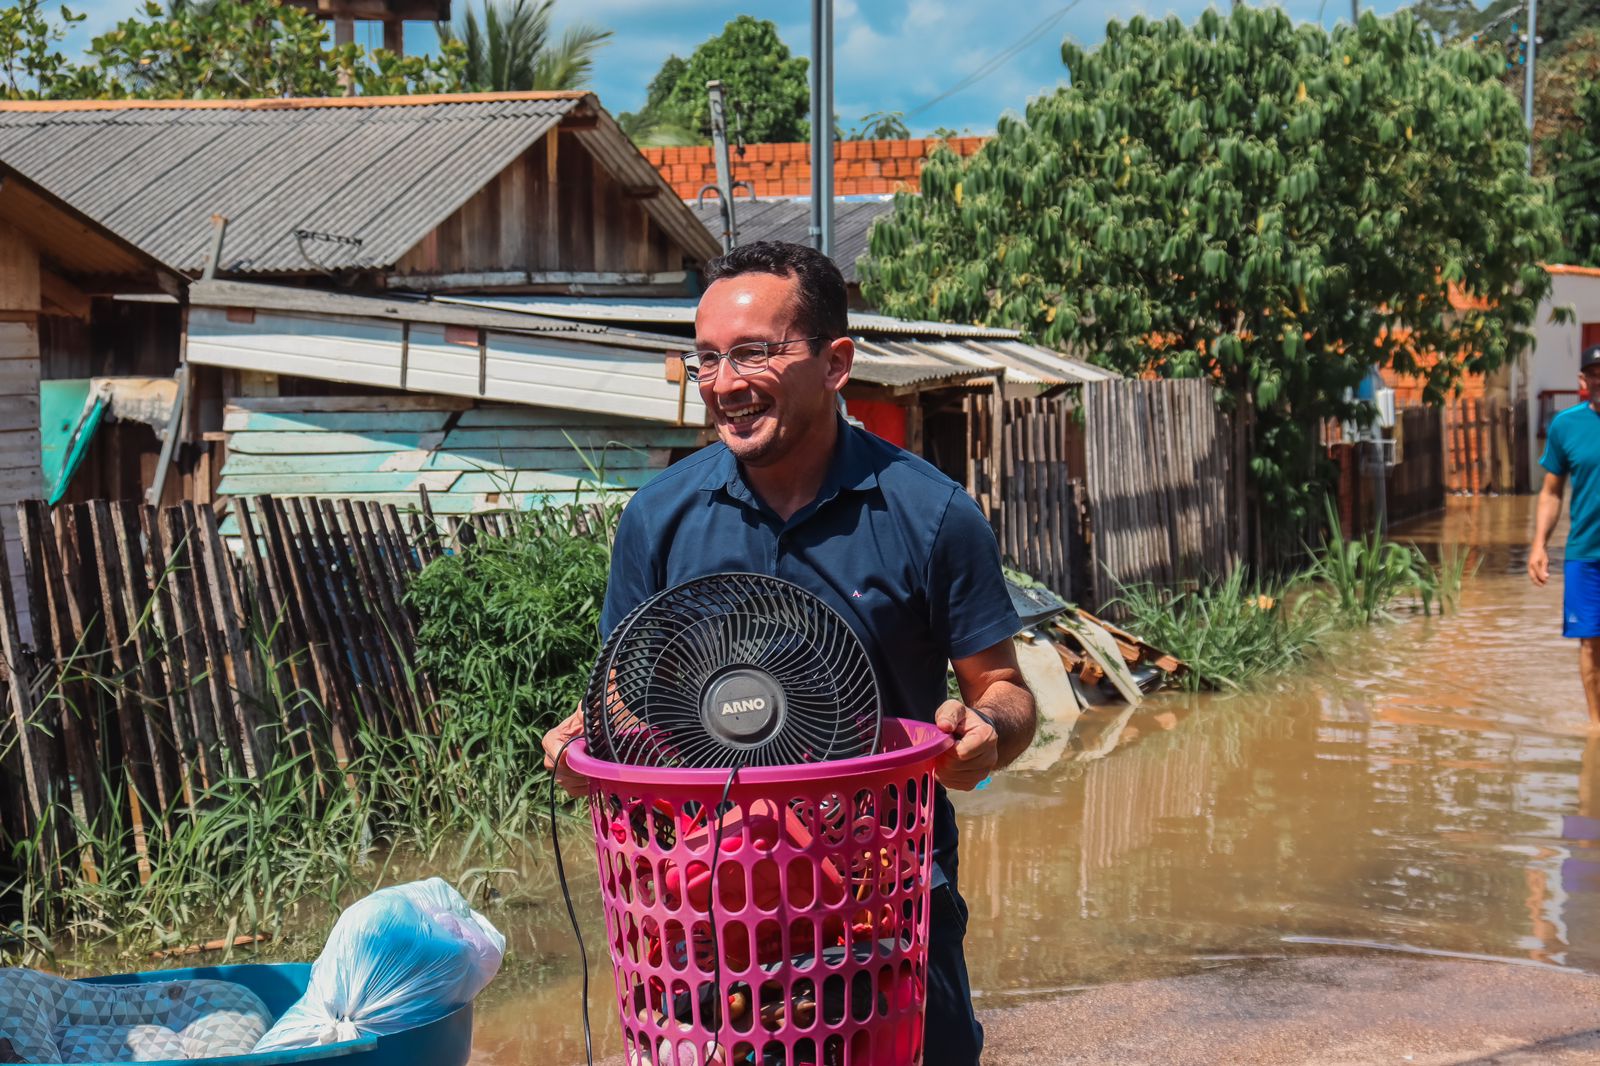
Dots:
(1345, 839)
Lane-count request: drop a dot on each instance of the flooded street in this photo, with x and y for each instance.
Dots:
(1427, 790)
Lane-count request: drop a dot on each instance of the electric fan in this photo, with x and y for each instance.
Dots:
(732, 670)
(762, 830)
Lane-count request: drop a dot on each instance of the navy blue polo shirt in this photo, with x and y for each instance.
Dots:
(897, 548)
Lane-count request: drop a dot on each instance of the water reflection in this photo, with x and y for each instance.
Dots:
(1428, 787)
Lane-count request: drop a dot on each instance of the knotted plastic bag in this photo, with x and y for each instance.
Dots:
(402, 957)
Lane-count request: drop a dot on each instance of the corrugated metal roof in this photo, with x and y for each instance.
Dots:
(681, 312)
(380, 174)
(890, 351)
(790, 220)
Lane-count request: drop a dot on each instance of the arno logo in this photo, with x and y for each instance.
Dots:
(741, 706)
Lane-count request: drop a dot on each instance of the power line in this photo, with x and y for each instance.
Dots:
(998, 61)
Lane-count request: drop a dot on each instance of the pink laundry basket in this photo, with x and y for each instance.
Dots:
(821, 910)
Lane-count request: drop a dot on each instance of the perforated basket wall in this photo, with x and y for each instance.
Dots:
(821, 914)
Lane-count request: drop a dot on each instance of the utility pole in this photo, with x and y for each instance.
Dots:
(1355, 11)
(1527, 85)
(822, 125)
(719, 152)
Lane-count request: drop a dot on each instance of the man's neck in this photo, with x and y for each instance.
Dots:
(790, 484)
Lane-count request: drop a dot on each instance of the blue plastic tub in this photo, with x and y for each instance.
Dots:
(446, 1042)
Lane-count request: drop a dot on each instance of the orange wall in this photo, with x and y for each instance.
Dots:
(859, 168)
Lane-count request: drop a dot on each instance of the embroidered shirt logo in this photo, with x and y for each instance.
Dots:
(856, 595)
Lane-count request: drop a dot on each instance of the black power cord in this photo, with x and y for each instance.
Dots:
(719, 1004)
(572, 912)
(718, 1001)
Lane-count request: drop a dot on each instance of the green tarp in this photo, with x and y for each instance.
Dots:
(68, 418)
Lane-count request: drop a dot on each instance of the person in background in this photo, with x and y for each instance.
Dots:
(902, 552)
(1572, 450)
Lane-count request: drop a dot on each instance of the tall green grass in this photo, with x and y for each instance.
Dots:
(508, 631)
(1366, 577)
(1230, 633)
(1239, 630)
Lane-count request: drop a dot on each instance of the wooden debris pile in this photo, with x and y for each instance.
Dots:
(1094, 650)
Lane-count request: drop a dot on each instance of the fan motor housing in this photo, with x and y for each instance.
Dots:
(742, 706)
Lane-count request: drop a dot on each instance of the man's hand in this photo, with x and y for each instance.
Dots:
(977, 750)
(1539, 565)
(576, 784)
(1545, 516)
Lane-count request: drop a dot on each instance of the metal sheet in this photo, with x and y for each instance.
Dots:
(70, 411)
(790, 220)
(891, 351)
(387, 174)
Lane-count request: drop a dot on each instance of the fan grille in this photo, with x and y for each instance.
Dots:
(732, 670)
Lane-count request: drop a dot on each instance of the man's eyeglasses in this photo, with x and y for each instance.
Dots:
(746, 359)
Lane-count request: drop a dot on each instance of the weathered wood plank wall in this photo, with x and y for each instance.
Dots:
(554, 208)
(1159, 484)
(470, 457)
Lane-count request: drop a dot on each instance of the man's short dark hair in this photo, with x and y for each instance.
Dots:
(822, 304)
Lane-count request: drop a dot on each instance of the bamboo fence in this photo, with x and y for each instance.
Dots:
(162, 654)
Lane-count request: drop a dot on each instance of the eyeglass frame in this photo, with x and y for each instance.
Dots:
(692, 361)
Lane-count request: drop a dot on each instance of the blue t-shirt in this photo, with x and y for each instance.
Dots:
(1573, 451)
(897, 548)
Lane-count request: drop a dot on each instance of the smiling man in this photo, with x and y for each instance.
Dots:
(897, 548)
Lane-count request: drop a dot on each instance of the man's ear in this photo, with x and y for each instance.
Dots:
(841, 356)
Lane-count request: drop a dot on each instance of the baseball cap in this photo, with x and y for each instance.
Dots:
(1590, 357)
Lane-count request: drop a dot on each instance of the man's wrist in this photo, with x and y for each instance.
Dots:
(988, 719)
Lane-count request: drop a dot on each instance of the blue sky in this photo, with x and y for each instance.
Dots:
(891, 55)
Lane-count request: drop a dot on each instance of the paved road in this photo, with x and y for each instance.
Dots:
(1338, 1011)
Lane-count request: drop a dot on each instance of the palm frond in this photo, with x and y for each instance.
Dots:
(509, 48)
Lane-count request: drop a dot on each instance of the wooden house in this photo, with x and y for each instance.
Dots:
(385, 200)
(54, 263)
(481, 295)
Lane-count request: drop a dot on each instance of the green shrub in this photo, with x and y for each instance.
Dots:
(1230, 633)
(509, 626)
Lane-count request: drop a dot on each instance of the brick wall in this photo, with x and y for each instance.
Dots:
(859, 168)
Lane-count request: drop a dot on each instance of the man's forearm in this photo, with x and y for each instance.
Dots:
(1015, 718)
(1546, 516)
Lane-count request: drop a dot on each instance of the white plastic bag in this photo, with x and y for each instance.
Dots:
(402, 957)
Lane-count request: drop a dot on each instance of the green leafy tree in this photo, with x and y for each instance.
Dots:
(30, 65)
(654, 124)
(198, 50)
(1270, 206)
(511, 47)
(1574, 163)
(767, 91)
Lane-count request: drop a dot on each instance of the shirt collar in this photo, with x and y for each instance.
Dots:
(852, 468)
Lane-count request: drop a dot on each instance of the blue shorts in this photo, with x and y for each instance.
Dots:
(1580, 608)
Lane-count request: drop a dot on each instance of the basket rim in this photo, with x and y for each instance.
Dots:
(923, 742)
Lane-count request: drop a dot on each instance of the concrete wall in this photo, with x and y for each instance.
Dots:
(1553, 362)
